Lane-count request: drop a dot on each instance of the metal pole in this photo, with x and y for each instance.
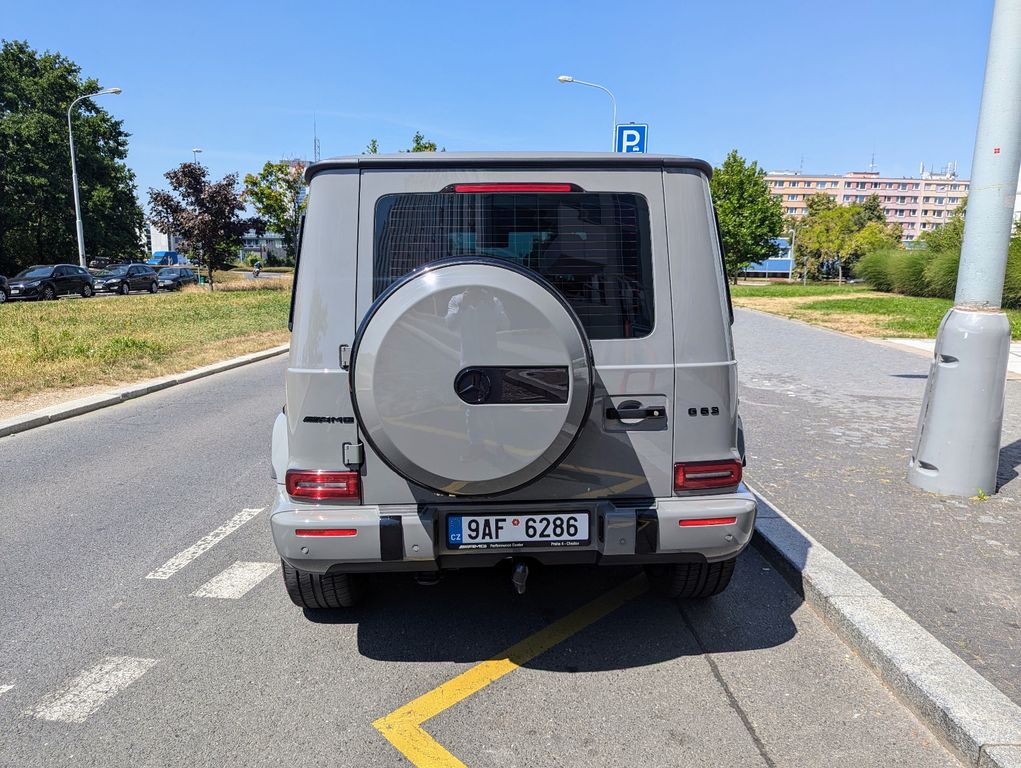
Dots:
(613, 100)
(794, 234)
(958, 439)
(74, 172)
(74, 184)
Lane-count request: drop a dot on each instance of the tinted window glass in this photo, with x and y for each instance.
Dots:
(35, 272)
(593, 247)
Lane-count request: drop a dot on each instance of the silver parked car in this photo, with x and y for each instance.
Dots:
(520, 357)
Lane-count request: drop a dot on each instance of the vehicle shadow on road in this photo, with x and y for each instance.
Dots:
(475, 615)
(1010, 460)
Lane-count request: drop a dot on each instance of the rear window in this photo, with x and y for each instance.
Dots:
(593, 247)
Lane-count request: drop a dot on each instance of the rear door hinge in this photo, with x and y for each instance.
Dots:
(353, 454)
(345, 357)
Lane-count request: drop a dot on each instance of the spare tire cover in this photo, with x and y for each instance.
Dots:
(471, 377)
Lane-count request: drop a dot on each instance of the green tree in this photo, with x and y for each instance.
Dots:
(275, 193)
(869, 211)
(205, 214)
(750, 217)
(419, 143)
(827, 238)
(818, 203)
(36, 204)
(874, 236)
(950, 236)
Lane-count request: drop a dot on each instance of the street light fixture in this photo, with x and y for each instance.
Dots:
(74, 171)
(569, 79)
(195, 152)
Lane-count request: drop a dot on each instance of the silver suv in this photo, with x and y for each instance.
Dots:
(509, 357)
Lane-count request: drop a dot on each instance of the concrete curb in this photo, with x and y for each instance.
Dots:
(960, 706)
(88, 404)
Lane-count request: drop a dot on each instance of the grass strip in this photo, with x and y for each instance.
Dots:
(109, 340)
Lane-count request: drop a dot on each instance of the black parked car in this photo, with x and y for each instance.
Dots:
(5, 290)
(124, 278)
(175, 278)
(52, 280)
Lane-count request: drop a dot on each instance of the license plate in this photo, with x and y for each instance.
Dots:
(569, 529)
(15, 291)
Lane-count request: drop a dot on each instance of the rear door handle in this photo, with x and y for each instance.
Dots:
(635, 413)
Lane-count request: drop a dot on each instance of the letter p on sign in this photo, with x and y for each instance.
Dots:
(632, 138)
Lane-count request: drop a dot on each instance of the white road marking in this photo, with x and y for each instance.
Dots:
(5, 688)
(178, 561)
(87, 692)
(236, 580)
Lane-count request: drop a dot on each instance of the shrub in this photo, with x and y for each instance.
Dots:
(874, 268)
(907, 272)
(941, 274)
(1012, 280)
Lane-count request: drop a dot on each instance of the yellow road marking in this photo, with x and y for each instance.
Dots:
(403, 726)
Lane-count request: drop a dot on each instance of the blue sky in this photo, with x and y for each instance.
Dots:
(814, 84)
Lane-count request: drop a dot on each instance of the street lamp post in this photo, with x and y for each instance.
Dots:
(74, 172)
(195, 152)
(613, 136)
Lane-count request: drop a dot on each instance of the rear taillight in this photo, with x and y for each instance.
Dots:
(707, 521)
(693, 476)
(317, 485)
(514, 187)
(326, 532)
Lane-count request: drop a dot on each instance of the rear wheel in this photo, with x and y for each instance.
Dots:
(153, 287)
(3, 297)
(691, 580)
(87, 291)
(320, 591)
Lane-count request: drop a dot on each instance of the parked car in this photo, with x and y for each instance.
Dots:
(49, 281)
(509, 367)
(124, 278)
(175, 278)
(5, 290)
(103, 263)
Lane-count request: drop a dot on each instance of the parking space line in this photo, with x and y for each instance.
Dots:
(403, 726)
(181, 559)
(87, 692)
(236, 580)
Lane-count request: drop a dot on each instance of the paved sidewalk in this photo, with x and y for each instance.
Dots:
(830, 421)
(926, 346)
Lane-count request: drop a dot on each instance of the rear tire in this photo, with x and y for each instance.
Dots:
(691, 581)
(153, 287)
(87, 291)
(321, 591)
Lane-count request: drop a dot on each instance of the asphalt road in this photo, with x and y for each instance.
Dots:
(830, 422)
(213, 666)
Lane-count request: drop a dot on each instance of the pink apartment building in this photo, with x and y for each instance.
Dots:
(916, 204)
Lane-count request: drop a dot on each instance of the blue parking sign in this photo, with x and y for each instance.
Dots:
(632, 137)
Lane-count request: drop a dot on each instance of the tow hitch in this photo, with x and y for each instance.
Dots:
(520, 577)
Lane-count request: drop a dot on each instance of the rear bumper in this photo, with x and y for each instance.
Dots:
(412, 537)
